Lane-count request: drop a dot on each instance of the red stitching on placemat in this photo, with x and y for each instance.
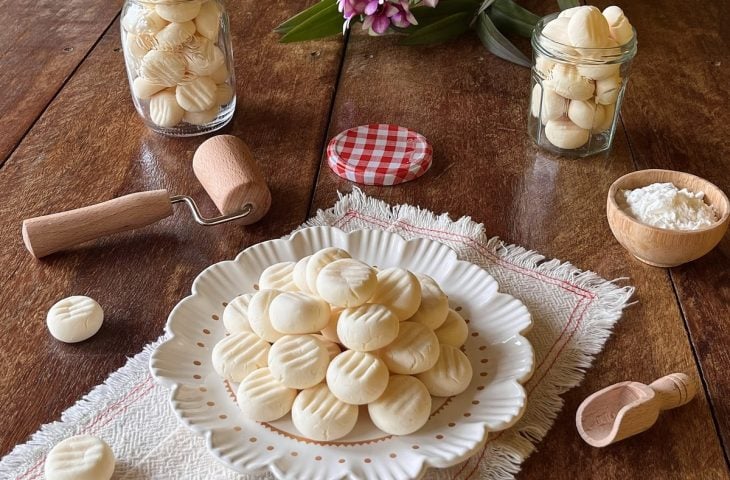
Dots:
(566, 285)
(575, 328)
(108, 410)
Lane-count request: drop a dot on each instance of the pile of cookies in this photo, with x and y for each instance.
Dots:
(577, 99)
(176, 63)
(329, 333)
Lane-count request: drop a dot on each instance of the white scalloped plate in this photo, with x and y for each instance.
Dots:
(501, 356)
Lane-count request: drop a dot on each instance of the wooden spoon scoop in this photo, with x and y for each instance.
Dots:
(628, 408)
(223, 165)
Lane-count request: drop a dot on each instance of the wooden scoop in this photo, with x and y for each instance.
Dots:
(222, 164)
(628, 408)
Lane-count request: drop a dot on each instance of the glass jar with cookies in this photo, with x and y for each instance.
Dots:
(180, 64)
(580, 68)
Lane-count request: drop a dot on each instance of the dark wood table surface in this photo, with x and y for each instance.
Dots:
(71, 137)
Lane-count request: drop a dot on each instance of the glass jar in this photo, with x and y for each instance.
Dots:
(576, 93)
(180, 64)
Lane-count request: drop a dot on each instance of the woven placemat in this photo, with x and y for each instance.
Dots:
(573, 312)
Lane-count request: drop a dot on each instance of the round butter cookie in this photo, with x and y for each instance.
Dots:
(298, 313)
(450, 376)
(434, 305)
(320, 260)
(239, 354)
(454, 330)
(330, 330)
(319, 415)
(300, 274)
(399, 290)
(299, 361)
(357, 378)
(414, 350)
(235, 315)
(403, 408)
(278, 277)
(368, 327)
(346, 283)
(263, 398)
(75, 319)
(81, 457)
(258, 315)
(332, 348)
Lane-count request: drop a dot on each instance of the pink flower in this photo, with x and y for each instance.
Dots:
(431, 3)
(385, 13)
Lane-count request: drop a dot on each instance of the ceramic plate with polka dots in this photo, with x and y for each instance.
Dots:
(501, 357)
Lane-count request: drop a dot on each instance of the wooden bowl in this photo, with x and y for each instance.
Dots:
(662, 247)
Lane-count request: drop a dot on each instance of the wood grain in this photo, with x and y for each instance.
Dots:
(683, 125)
(473, 108)
(90, 146)
(42, 43)
(58, 231)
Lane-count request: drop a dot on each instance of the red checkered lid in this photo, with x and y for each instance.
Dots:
(379, 154)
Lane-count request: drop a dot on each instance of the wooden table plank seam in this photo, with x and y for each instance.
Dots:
(60, 88)
(325, 138)
(701, 371)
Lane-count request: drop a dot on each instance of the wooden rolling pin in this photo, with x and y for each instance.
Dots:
(627, 408)
(223, 165)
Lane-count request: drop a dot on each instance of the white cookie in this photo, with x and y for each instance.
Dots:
(203, 57)
(278, 277)
(320, 260)
(450, 376)
(300, 274)
(415, 349)
(330, 330)
(434, 305)
(178, 11)
(258, 315)
(74, 319)
(368, 327)
(346, 283)
(454, 330)
(332, 348)
(208, 20)
(235, 315)
(262, 398)
(82, 457)
(163, 68)
(197, 95)
(399, 290)
(403, 408)
(164, 109)
(201, 118)
(239, 354)
(174, 35)
(139, 19)
(319, 415)
(298, 313)
(223, 94)
(357, 377)
(299, 361)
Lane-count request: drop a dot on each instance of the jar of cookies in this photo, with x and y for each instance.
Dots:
(581, 62)
(180, 64)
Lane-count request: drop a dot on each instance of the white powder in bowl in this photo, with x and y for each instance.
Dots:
(665, 206)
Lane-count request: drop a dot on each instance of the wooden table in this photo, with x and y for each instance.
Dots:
(71, 137)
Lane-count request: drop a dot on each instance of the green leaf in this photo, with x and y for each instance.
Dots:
(566, 4)
(323, 24)
(441, 31)
(427, 15)
(305, 15)
(497, 43)
(512, 18)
